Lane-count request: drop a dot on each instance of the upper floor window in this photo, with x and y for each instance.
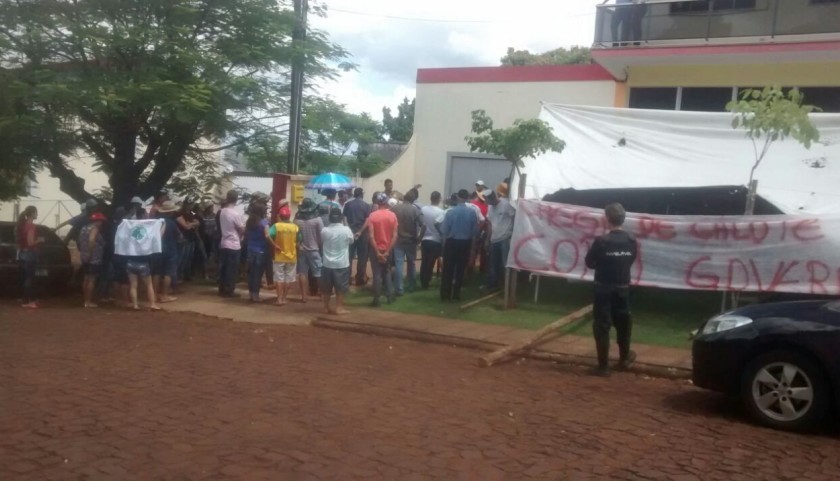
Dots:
(717, 5)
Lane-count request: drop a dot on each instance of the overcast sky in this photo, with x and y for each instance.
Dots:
(391, 39)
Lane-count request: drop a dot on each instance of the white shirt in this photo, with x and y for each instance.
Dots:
(501, 219)
(232, 227)
(336, 239)
(430, 215)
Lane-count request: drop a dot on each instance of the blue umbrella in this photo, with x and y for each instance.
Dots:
(330, 180)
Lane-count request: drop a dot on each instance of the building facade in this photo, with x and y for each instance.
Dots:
(665, 54)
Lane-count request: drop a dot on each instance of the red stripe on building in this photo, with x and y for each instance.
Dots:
(531, 73)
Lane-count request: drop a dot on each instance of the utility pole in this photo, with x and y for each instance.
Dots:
(298, 38)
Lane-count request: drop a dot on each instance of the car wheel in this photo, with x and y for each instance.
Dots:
(784, 390)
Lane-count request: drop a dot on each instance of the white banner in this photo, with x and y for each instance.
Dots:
(138, 237)
(736, 253)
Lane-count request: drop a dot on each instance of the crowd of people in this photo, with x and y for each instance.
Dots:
(314, 251)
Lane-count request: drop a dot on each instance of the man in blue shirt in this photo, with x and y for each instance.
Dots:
(459, 228)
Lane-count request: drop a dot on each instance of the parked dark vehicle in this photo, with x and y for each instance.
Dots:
(782, 359)
(55, 268)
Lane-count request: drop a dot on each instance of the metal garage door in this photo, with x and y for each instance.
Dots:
(464, 169)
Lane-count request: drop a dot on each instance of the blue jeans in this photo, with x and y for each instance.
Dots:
(403, 253)
(228, 271)
(256, 267)
(28, 265)
(498, 260)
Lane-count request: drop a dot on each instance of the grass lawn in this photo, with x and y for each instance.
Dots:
(660, 317)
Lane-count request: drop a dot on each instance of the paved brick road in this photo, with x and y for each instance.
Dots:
(116, 395)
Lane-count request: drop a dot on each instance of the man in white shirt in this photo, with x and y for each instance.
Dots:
(432, 246)
(232, 228)
(335, 271)
(500, 217)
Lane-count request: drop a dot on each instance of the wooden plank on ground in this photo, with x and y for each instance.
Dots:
(479, 301)
(496, 356)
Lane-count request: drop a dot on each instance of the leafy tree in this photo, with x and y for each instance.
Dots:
(768, 115)
(333, 140)
(15, 168)
(526, 138)
(559, 56)
(146, 87)
(401, 127)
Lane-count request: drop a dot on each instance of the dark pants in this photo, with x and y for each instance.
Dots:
(185, 260)
(28, 267)
(611, 307)
(382, 273)
(268, 265)
(256, 267)
(456, 254)
(627, 23)
(497, 261)
(431, 251)
(360, 247)
(228, 271)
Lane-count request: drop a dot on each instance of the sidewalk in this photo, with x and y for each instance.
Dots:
(660, 361)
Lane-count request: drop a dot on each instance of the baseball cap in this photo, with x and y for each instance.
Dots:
(381, 198)
(97, 217)
(335, 215)
(392, 202)
(137, 200)
(480, 182)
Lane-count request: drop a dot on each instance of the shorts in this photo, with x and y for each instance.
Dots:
(309, 260)
(165, 264)
(285, 272)
(338, 279)
(138, 268)
(91, 269)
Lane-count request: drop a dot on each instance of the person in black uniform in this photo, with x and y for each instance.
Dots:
(611, 256)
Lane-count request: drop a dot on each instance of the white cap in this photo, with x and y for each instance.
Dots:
(392, 202)
(137, 200)
(480, 182)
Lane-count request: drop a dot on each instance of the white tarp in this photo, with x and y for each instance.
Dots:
(799, 254)
(683, 149)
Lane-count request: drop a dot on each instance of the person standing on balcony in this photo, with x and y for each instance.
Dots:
(627, 22)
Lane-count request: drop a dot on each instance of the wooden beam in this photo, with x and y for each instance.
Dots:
(496, 356)
(479, 301)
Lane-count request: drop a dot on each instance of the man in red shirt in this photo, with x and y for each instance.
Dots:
(382, 231)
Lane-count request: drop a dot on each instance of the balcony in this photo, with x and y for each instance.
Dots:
(716, 22)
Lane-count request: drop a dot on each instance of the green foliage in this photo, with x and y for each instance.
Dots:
(401, 127)
(559, 56)
(526, 138)
(144, 86)
(333, 140)
(771, 114)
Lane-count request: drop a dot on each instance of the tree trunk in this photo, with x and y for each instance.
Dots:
(751, 194)
(69, 183)
(123, 180)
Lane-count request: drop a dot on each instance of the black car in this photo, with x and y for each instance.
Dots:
(55, 269)
(782, 359)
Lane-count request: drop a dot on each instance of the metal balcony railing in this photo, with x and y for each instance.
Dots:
(664, 21)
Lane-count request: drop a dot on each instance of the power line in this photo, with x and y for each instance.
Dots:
(437, 20)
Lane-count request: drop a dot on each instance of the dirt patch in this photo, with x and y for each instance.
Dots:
(120, 395)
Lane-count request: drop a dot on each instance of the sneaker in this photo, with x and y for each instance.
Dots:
(30, 305)
(626, 364)
(599, 372)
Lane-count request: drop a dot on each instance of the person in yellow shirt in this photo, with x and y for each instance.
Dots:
(285, 237)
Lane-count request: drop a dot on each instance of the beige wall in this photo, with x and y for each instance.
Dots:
(54, 206)
(443, 118)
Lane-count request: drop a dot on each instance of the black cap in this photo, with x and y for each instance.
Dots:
(335, 215)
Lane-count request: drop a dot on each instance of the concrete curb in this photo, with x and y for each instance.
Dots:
(652, 370)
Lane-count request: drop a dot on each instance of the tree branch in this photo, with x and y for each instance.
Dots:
(98, 150)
